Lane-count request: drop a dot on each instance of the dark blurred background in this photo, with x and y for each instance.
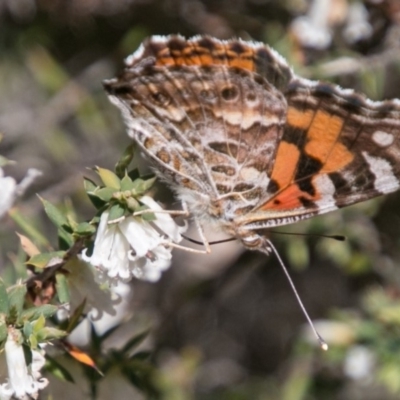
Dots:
(224, 326)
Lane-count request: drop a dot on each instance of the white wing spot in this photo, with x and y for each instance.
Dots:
(325, 186)
(382, 138)
(385, 180)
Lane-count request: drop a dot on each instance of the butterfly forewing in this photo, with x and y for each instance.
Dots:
(247, 144)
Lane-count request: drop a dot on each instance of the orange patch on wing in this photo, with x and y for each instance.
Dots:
(288, 199)
(244, 60)
(243, 63)
(339, 157)
(165, 60)
(298, 118)
(322, 135)
(285, 165)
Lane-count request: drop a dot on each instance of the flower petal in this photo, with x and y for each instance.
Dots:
(164, 221)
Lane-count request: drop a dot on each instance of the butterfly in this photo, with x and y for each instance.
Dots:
(246, 144)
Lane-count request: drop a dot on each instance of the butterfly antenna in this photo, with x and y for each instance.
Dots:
(231, 239)
(322, 343)
(339, 238)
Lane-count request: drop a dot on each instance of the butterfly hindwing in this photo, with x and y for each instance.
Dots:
(338, 148)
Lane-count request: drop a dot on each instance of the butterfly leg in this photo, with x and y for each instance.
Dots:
(185, 213)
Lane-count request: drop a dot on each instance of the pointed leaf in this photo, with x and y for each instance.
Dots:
(109, 178)
(89, 185)
(3, 328)
(90, 188)
(125, 160)
(148, 183)
(28, 329)
(33, 313)
(105, 193)
(55, 215)
(44, 259)
(126, 183)
(33, 341)
(39, 324)
(58, 370)
(135, 341)
(85, 229)
(4, 303)
(65, 239)
(21, 220)
(116, 212)
(49, 333)
(16, 297)
(62, 288)
(27, 245)
(141, 186)
(75, 318)
(146, 216)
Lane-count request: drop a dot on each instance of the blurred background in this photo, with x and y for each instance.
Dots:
(227, 325)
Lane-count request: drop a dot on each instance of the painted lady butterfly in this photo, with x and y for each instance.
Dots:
(248, 145)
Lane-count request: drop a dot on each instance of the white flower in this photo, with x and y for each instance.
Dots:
(358, 26)
(359, 362)
(8, 187)
(23, 383)
(313, 29)
(10, 190)
(134, 247)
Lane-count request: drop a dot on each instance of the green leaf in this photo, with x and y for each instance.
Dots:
(85, 229)
(109, 178)
(141, 186)
(55, 215)
(33, 341)
(116, 212)
(3, 328)
(58, 370)
(16, 297)
(126, 183)
(125, 160)
(21, 220)
(43, 260)
(147, 216)
(135, 341)
(28, 329)
(75, 318)
(39, 324)
(62, 288)
(33, 313)
(89, 185)
(65, 239)
(49, 333)
(105, 193)
(4, 303)
(90, 188)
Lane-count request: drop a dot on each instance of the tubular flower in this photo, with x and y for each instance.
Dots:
(23, 383)
(10, 190)
(134, 247)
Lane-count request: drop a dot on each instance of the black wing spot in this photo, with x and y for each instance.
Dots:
(230, 93)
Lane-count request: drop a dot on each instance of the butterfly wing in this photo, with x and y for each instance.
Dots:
(338, 148)
(209, 123)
